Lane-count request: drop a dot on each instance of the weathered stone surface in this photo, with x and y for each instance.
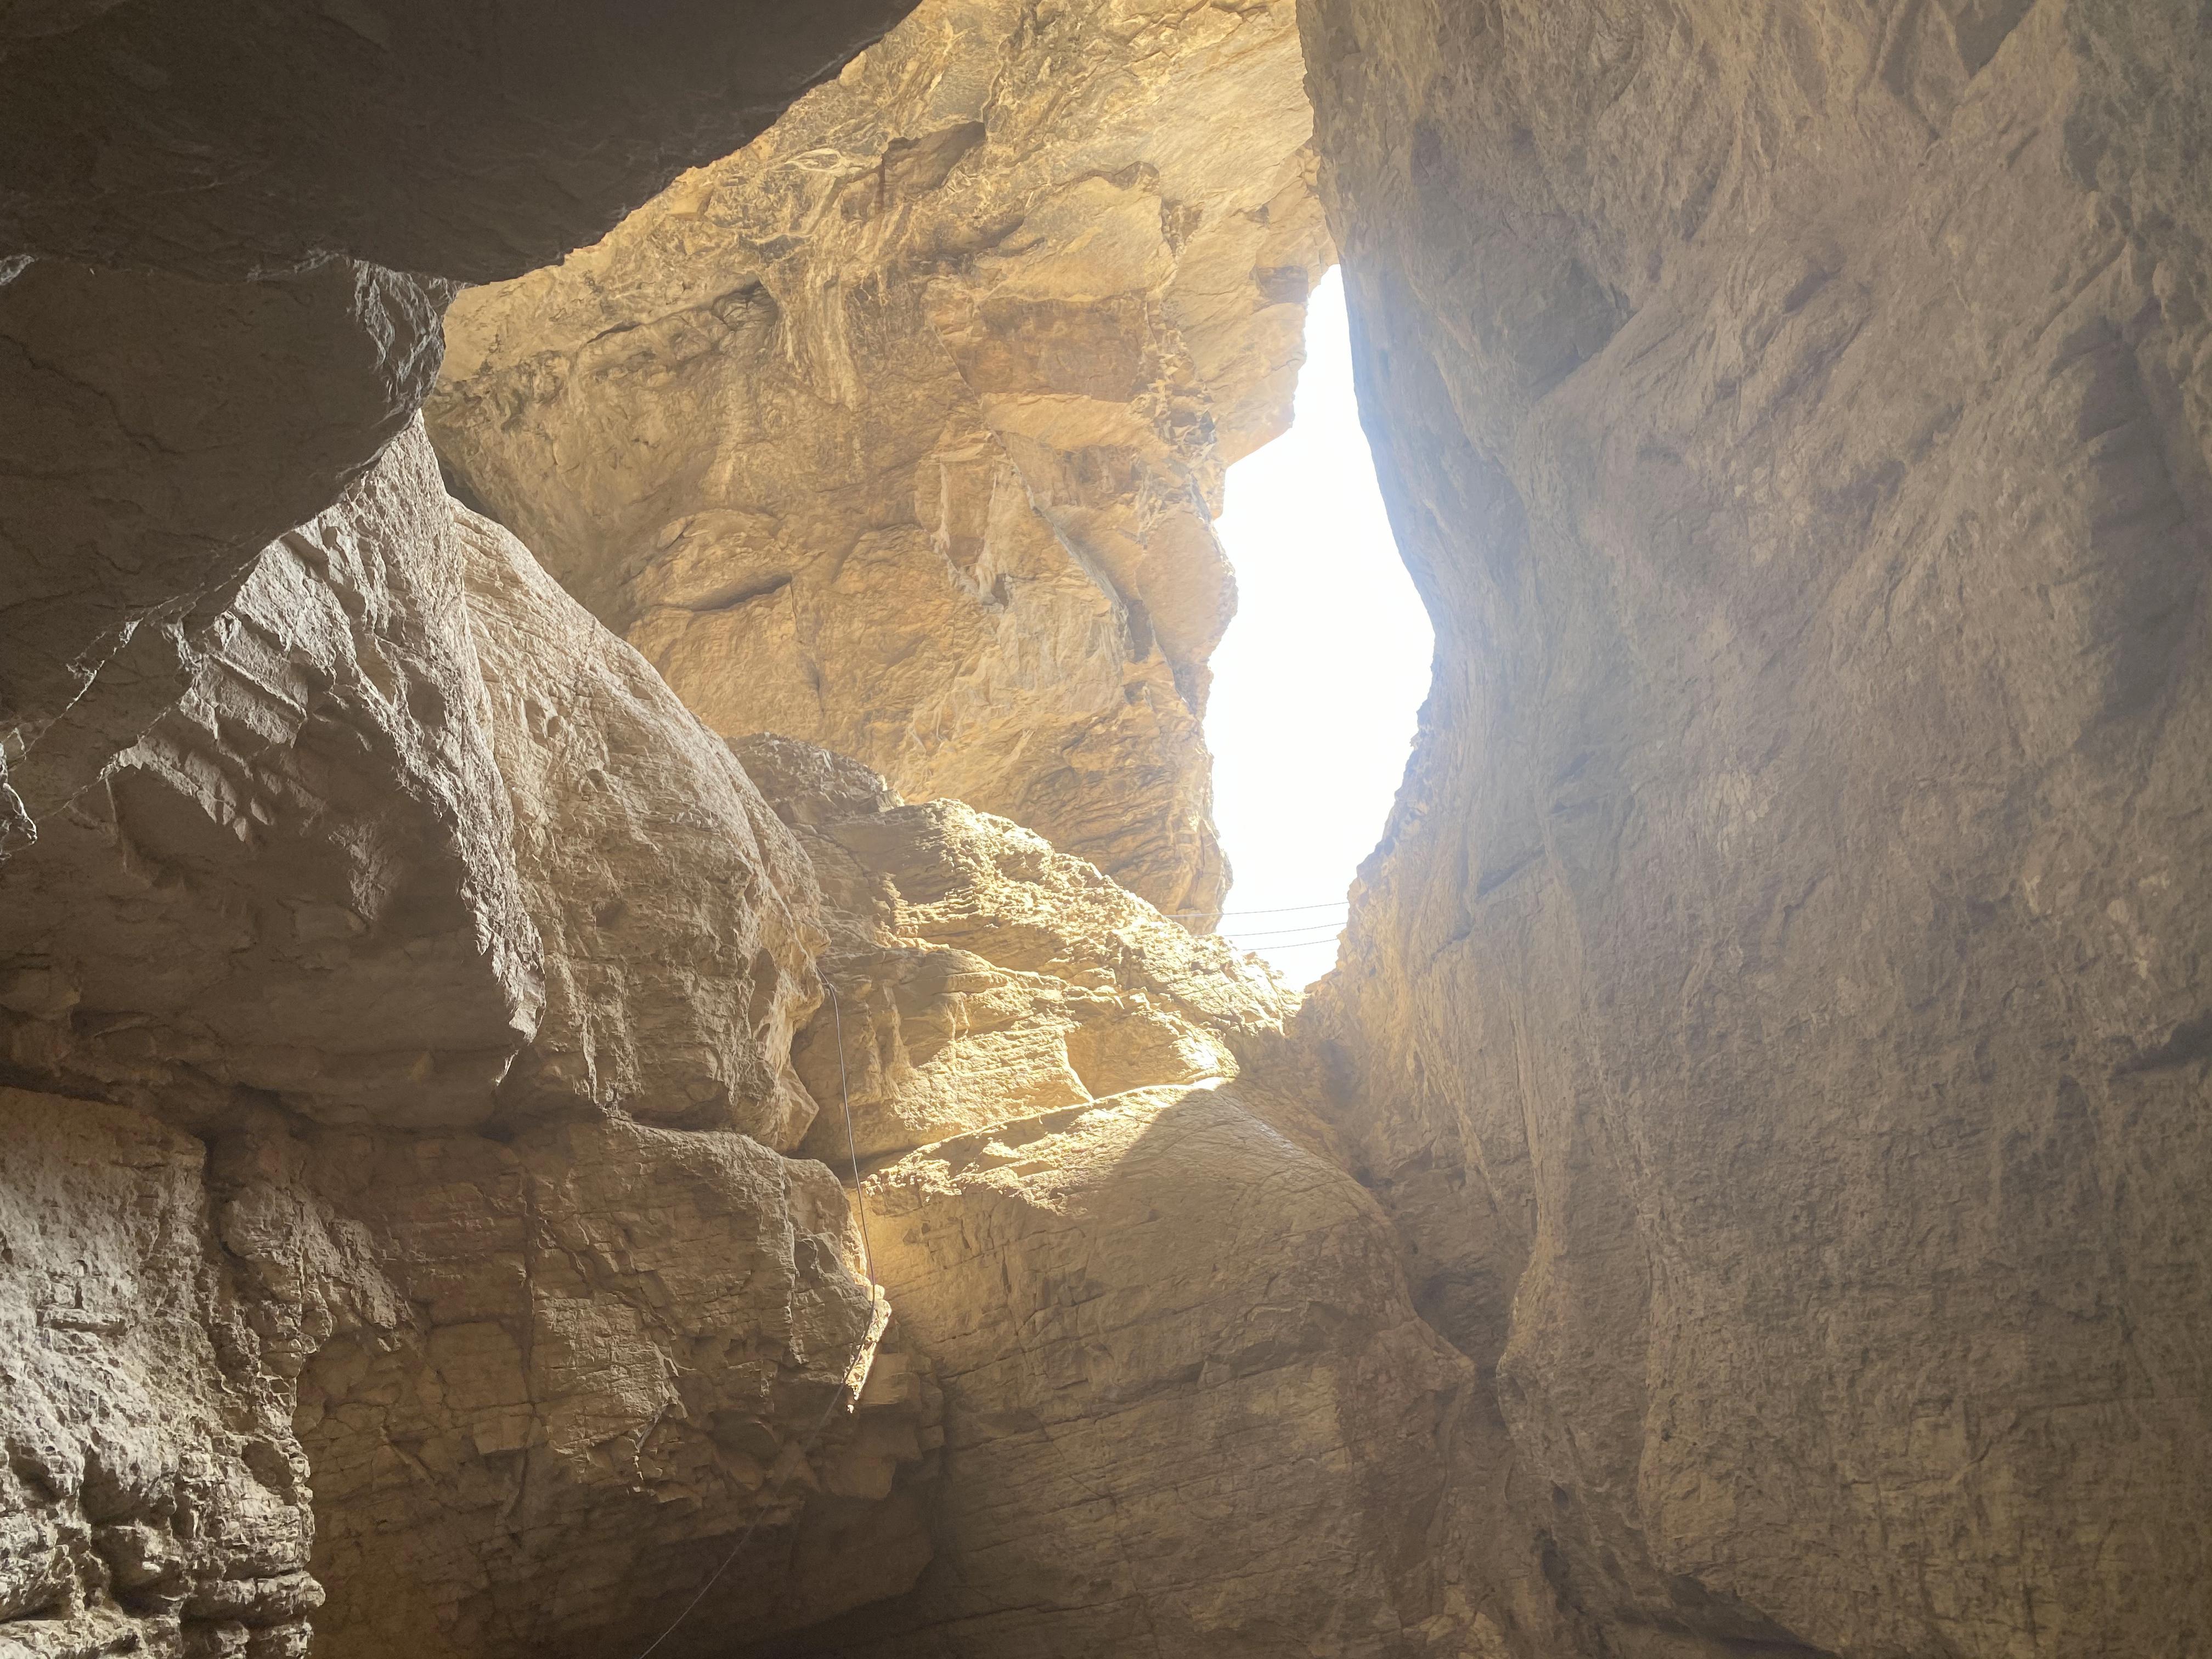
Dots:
(678, 916)
(155, 433)
(558, 1379)
(152, 1497)
(1777, 1012)
(323, 891)
(453, 136)
(901, 430)
(298, 879)
(979, 975)
(1188, 1408)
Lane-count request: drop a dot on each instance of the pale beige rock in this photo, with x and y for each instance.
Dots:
(1777, 1015)
(304, 897)
(566, 1375)
(980, 976)
(901, 429)
(153, 1499)
(1188, 1408)
(678, 916)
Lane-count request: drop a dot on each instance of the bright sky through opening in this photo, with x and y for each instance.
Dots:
(1316, 687)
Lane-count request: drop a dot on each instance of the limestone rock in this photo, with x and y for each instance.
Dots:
(298, 879)
(979, 975)
(566, 1375)
(156, 434)
(206, 331)
(1775, 1014)
(455, 137)
(1188, 1408)
(678, 916)
(152, 1497)
(901, 430)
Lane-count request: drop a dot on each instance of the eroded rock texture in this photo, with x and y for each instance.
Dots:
(1188, 1408)
(207, 215)
(478, 973)
(901, 429)
(1777, 1014)
(153, 1499)
(983, 976)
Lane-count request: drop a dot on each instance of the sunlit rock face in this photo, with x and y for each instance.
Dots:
(1188, 1406)
(979, 975)
(1775, 1015)
(901, 429)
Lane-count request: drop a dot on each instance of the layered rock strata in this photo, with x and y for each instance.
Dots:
(152, 1497)
(901, 429)
(1187, 1402)
(478, 974)
(1775, 1014)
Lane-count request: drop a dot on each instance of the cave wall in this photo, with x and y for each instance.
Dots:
(1740, 1194)
(901, 429)
(1775, 1015)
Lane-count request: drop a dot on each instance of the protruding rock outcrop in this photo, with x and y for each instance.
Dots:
(1777, 1014)
(1188, 1408)
(208, 328)
(983, 976)
(479, 976)
(901, 429)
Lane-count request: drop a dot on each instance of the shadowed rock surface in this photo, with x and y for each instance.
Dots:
(352, 900)
(1774, 1014)
(901, 429)
(207, 215)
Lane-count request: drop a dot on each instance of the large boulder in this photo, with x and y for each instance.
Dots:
(1188, 1408)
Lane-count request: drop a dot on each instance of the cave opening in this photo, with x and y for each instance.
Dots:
(1318, 683)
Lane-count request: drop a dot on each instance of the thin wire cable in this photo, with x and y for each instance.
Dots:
(1281, 933)
(859, 1203)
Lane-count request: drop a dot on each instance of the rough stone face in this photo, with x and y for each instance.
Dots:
(901, 430)
(567, 1374)
(1777, 1013)
(152, 1497)
(308, 916)
(982, 976)
(298, 879)
(1188, 1408)
(455, 137)
(678, 916)
(155, 433)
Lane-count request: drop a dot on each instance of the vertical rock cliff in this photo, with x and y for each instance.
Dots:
(1775, 1014)
(901, 429)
